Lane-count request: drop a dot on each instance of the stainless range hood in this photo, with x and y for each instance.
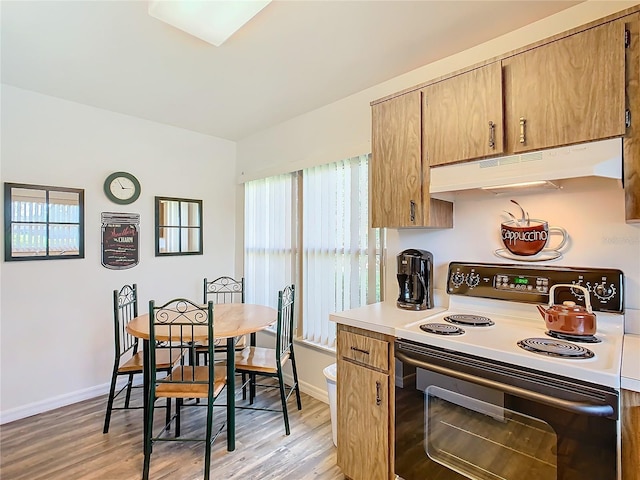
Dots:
(595, 159)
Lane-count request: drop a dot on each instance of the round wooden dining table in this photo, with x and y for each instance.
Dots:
(230, 320)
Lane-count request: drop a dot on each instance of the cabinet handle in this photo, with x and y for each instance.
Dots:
(523, 122)
(378, 397)
(492, 135)
(412, 211)
(355, 349)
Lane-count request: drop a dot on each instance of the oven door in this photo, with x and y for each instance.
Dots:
(460, 417)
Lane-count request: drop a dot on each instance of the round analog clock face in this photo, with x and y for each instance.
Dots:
(122, 188)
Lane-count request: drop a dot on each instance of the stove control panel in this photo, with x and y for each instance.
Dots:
(525, 283)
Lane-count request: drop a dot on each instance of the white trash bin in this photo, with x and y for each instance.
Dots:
(330, 374)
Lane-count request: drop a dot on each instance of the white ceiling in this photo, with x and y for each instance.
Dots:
(291, 58)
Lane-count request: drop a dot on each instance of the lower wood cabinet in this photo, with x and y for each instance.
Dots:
(630, 435)
(365, 397)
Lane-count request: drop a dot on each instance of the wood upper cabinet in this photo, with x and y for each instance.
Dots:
(365, 396)
(397, 176)
(462, 116)
(399, 184)
(569, 91)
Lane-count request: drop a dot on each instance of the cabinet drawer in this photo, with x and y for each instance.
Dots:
(366, 350)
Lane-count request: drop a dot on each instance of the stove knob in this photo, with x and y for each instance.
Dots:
(457, 279)
(473, 280)
(603, 292)
(579, 294)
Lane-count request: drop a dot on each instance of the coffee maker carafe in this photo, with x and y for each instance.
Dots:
(415, 279)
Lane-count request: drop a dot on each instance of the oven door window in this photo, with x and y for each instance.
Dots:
(484, 441)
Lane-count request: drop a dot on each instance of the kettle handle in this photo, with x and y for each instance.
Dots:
(587, 297)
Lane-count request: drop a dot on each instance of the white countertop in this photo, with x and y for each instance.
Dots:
(630, 376)
(382, 317)
(385, 317)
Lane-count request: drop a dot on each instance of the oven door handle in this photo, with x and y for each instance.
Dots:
(582, 408)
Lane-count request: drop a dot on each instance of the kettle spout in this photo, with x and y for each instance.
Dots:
(542, 310)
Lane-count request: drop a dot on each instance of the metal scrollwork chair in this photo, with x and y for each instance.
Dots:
(222, 290)
(175, 327)
(269, 362)
(128, 357)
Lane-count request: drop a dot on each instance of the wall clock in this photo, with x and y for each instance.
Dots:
(122, 188)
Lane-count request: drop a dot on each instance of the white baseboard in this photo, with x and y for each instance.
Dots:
(46, 405)
(52, 403)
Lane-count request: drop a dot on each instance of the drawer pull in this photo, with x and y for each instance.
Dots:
(355, 349)
(378, 398)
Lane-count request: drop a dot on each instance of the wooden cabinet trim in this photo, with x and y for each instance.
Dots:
(553, 38)
(631, 140)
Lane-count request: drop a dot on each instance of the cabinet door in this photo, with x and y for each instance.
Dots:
(567, 91)
(396, 163)
(462, 116)
(630, 435)
(363, 422)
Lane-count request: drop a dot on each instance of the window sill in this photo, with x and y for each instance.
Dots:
(306, 343)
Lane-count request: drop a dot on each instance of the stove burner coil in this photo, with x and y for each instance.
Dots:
(471, 320)
(441, 329)
(555, 348)
(574, 338)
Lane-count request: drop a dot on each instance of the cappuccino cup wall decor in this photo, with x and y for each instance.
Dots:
(530, 239)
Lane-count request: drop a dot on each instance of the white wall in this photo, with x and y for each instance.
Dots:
(343, 129)
(57, 331)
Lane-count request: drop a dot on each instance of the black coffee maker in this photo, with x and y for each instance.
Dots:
(415, 278)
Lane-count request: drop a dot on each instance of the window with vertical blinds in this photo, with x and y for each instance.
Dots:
(338, 255)
(338, 247)
(270, 237)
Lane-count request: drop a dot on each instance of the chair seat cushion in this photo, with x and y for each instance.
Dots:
(163, 361)
(259, 359)
(184, 386)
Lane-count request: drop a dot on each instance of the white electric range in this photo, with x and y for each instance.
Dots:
(477, 392)
(515, 318)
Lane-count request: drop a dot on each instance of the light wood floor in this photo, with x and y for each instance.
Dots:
(68, 444)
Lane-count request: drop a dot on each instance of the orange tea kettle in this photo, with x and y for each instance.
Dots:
(569, 318)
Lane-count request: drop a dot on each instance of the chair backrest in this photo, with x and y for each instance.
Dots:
(125, 309)
(173, 327)
(224, 290)
(285, 326)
